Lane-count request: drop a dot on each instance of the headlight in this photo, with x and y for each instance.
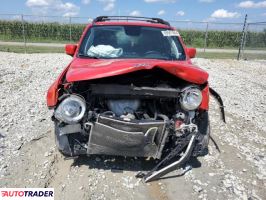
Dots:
(191, 98)
(71, 110)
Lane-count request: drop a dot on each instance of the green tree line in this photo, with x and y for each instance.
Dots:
(56, 32)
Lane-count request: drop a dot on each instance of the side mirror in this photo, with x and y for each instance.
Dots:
(191, 52)
(70, 49)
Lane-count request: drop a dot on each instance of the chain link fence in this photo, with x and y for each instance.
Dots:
(255, 41)
(210, 34)
(210, 38)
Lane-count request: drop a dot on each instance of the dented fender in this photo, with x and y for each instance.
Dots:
(52, 94)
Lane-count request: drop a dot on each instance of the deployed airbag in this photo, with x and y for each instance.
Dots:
(105, 51)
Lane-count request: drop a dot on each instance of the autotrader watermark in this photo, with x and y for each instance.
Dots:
(27, 193)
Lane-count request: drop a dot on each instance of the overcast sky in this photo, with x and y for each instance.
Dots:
(210, 10)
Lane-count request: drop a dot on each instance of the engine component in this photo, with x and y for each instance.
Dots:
(180, 116)
(71, 110)
(191, 98)
(191, 127)
(128, 117)
(114, 136)
(123, 106)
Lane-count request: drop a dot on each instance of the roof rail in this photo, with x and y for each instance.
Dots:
(130, 18)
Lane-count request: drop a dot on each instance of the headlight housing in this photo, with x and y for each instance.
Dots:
(71, 109)
(191, 98)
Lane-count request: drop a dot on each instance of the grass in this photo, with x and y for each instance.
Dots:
(246, 56)
(31, 49)
(208, 55)
(215, 55)
(222, 55)
(5, 38)
(254, 56)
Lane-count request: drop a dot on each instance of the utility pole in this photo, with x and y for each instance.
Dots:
(242, 38)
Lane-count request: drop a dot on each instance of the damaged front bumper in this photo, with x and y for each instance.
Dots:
(110, 135)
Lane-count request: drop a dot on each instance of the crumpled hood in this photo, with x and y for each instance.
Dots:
(87, 69)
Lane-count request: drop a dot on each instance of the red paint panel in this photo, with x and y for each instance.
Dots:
(70, 49)
(191, 52)
(87, 69)
(205, 98)
(52, 94)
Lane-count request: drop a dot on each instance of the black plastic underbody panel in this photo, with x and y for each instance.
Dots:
(112, 136)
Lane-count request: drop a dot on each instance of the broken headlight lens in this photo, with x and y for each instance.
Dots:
(71, 109)
(191, 98)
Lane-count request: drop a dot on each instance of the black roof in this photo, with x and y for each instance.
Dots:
(130, 18)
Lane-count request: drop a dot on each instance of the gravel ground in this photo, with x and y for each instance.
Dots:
(28, 157)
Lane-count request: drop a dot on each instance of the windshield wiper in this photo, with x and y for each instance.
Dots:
(86, 56)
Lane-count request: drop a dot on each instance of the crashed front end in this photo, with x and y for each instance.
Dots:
(141, 114)
(146, 113)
